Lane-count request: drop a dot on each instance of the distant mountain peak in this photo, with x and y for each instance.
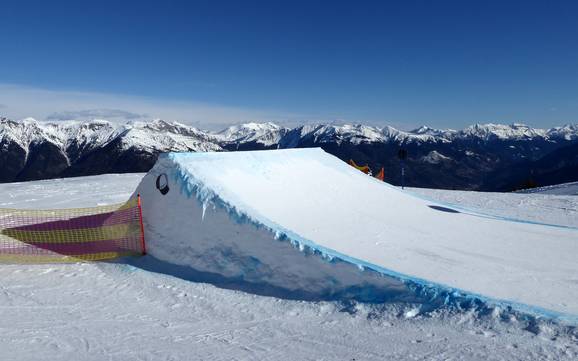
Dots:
(266, 134)
(425, 130)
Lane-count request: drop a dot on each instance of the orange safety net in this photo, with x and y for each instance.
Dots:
(71, 235)
(365, 169)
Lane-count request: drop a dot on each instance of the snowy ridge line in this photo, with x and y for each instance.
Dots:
(78, 148)
(477, 213)
(98, 133)
(437, 294)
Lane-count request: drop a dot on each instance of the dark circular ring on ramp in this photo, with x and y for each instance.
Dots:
(443, 209)
(163, 183)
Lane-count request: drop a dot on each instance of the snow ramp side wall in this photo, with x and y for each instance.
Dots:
(189, 225)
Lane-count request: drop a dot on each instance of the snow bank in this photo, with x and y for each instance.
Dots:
(302, 221)
(192, 226)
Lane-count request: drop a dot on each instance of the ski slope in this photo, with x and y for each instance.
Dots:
(115, 311)
(540, 206)
(558, 189)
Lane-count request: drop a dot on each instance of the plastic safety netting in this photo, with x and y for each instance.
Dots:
(71, 235)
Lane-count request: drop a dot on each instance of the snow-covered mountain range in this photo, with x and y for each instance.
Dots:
(157, 135)
(466, 158)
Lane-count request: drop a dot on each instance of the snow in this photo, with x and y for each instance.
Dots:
(157, 135)
(358, 133)
(558, 189)
(424, 129)
(163, 136)
(566, 132)
(435, 157)
(515, 131)
(265, 133)
(117, 311)
(322, 205)
(545, 205)
(69, 192)
(114, 312)
(234, 249)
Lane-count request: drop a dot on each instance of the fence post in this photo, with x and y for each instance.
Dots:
(142, 237)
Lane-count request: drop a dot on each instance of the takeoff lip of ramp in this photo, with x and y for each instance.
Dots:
(304, 221)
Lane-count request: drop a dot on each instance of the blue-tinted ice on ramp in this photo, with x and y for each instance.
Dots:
(304, 222)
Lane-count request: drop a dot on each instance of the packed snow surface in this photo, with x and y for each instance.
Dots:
(559, 189)
(114, 311)
(321, 204)
(553, 204)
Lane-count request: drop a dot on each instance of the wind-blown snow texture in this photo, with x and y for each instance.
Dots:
(118, 312)
(331, 212)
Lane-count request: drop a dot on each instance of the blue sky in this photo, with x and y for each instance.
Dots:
(403, 63)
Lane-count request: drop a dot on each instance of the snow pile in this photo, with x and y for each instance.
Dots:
(192, 226)
(305, 222)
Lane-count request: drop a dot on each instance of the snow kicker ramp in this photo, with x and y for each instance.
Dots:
(304, 221)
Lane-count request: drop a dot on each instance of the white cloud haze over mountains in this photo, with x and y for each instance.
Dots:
(19, 102)
(96, 114)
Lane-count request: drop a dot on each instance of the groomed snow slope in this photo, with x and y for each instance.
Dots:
(115, 311)
(303, 220)
(570, 189)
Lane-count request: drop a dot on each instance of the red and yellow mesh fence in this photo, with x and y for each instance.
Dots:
(71, 235)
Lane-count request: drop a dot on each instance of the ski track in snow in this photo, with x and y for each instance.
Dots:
(113, 311)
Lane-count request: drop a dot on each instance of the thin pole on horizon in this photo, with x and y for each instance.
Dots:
(402, 155)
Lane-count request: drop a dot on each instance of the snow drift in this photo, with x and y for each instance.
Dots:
(304, 222)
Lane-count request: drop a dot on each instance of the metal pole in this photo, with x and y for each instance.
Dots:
(402, 174)
(142, 237)
(402, 155)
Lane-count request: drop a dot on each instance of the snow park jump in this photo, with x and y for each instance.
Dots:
(302, 222)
